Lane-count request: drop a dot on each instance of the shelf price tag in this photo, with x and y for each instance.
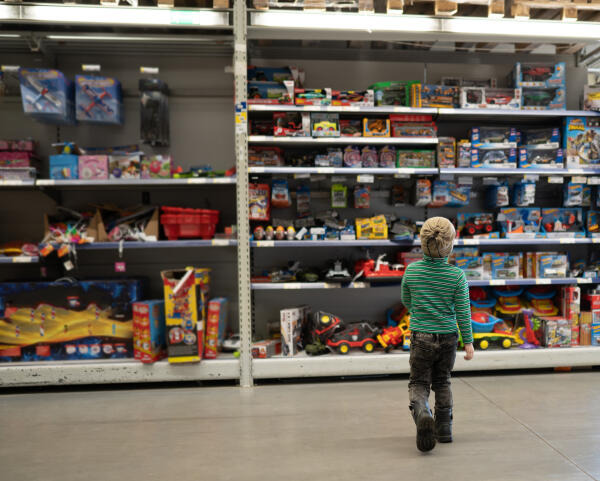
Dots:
(401, 176)
(567, 240)
(150, 70)
(358, 285)
(292, 285)
(594, 180)
(326, 170)
(490, 181)
(302, 176)
(22, 260)
(543, 281)
(220, 242)
(595, 240)
(465, 180)
(365, 178)
(10, 68)
(256, 170)
(471, 242)
(448, 177)
(90, 67)
(497, 282)
(556, 179)
(531, 177)
(579, 179)
(584, 280)
(12, 182)
(268, 243)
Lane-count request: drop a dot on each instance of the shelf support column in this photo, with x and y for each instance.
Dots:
(243, 224)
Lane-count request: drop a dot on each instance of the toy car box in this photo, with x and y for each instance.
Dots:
(548, 138)
(595, 334)
(312, 96)
(540, 158)
(266, 349)
(184, 292)
(563, 222)
(523, 193)
(593, 223)
(17, 173)
(265, 156)
(387, 157)
(463, 153)
(553, 266)
(505, 266)
(393, 93)
(98, 100)
(373, 228)
(350, 128)
(520, 223)
(450, 194)
(540, 75)
(273, 74)
(494, 158)
(216, 322)
(591, 98)
(556, 332)
(446, 152)
(438, 96)
(349, 98)
(404, 125)
(17, 159)
(575, 194)
(293, 322)
(47, 95)
(124, 166)
(476, 225)
(415, 158)
(487, 98)
(471, 266)
(493, 137)
(149, 330)
(581, 142)
(93, 167)
(544, 99)
(325, 125)
(156, 167)
(271, 93)
(291, 124)
(376, 127)
(64, 166)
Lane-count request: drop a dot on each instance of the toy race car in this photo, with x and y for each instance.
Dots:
(357, 335)
(379, 270)
(478, 225)
(494, 157)
(338, 273)
(536, 74)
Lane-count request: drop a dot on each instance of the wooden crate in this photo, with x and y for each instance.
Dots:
(318, 5)
(491, 8)
(567, 9)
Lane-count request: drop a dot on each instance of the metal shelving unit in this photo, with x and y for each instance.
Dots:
(118, 183)
(342, 170)
(267, 140)
(158, 244)
(530, 172)
(410, 243)
(19, 260)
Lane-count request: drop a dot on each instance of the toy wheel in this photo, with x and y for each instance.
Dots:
(344, 348)
(368, 346)
(470, 230)
(506, 343)
(488, 228)
(484, 344)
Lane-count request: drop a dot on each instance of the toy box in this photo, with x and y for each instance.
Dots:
(393, 93)
(291, 124)
(415, 158)
(352, 157)
(497, 195)
(563, 222)
(495, 158)
(387, 157)
(293, 322)
(351, 128)
(93, 167)
(184, 292)
(216, 322)
(312, 96)
(24, 145)
(475, 224)
(47, 95)
(149, 330)
(540, 158)
(348, 98)
(265, 156)
(266, 349)
(463, 153)
(570, 303)
(272, 93)
(439, 96)
(422, 192)
(376, 127)
(273, 74)
(595, 334)
(471, 266)
(450, 194)
(17, 159)
(325, 125)
(259, 198)
(124, 166)
(545, 137)
(64, 166)
(98, 100)
(372, 228)
(17, 173)
(540, 75)
(576, 194)
(591, 98)
(505, 267)
(520, 223)
(493, 137)
(407, 125)
(446, 152)
(581, 142)
(156, 167)
(556, 332)
(553, 266)
(593, 223)
(544, 99)
(488, 98)
(369, 156)
(523, 193)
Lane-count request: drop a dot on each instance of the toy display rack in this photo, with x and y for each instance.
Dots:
(216, 4)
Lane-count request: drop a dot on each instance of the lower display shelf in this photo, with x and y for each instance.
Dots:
(19, 260)
(56, 373)
(359, 364)
(159, 244)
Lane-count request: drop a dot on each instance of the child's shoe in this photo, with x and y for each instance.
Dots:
(425, 427)
(443, 425)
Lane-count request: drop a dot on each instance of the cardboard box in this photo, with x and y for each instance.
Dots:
(585, 334)
(184, 292)
(149, 330)
(293, 320)
(156, 167)
(215, 326)
(575, 335)
(570, 297)
(579, 137)
(556, 332)
(93, 167)
(266, 349)
(64, 166)
(585, 317)
(595, 333)
(124, 166)
(592, 300)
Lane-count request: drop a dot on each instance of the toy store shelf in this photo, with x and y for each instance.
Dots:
(111, 371)
(342, 170)
(332, 243)
(532, 172)
(17, 183)
(114, 183)
(159, 244)
(518, 114)
(534, 282)
(275, 286)
(111, 16)
(358, 363)
(387, 109)
(19, 260)
(266, 139)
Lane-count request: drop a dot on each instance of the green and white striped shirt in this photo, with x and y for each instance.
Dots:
(437, 297)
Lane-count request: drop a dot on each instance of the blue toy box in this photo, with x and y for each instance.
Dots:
(593, 223)
(540, 75)
(595, 341)
(492, 137)
(553, 266)
(548, 137)
(98, 100)
(520, 223)
(544, 99)
(505, 266)
(494, 158)
(47, 95)
(64, 166)
(581, 142)
(472, 267)
(450, 194)
(563, 222)
(541, 158)
(277, 93)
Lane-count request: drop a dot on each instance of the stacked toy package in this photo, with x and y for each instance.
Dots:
(539, 148)
(494, 147)
(17, 160)
(149, 330)
(272, 85)
(544, 86)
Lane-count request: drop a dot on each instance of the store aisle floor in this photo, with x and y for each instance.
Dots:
(526, 427)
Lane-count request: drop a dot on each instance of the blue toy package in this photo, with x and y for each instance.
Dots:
(494, 137)
(544, 99)
(593, 223)
(64, 166)
(540, 75)
(47, 95)
(523, 194)
(450, 194)
(497, 196)
(563, 222)
(541, 158)
(581, 142)
(277, 93)
(495, 158)
(98, 100)
(476, 225)
(505, 266)
(471, 266)
(547, 137)
(553, 266)
(574, 194)
(520, 223)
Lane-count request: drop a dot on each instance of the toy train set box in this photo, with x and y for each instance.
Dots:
(581, 142)
(89, 319)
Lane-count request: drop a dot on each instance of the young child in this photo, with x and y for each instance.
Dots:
(437, 297)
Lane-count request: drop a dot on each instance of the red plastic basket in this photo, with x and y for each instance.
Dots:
(179, 222)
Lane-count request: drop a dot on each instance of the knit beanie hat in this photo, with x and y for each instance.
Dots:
(437, 237)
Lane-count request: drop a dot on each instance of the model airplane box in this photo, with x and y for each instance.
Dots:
(149, 330)
(184, 292)
(215, 326)
(98, 100)
(293, 321)
(47, 95)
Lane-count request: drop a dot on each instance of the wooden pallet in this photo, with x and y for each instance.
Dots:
(218, 4)
(566, 9)
(365, 6)
(489, 8)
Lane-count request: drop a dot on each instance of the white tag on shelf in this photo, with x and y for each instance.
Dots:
(293, 285)
(543, 281)
(531, 177)
(11, 182)
(256, 170)
(150, 70)
(325, 170)
(220, 242)
(22, 260)
(567, 240)
(556, 179)
(358, 285)
(10, 68)
(584, 280)
(490, 181)
(471, 242)
(365, 178)
(594, 180)
(465, 180)
(331, 285)
(90, 67)
(401, 176)
(579, 179)
(266, 243)
(338, 178)
(497, 282)
(302, 176)
(448, 177)
(595, 240)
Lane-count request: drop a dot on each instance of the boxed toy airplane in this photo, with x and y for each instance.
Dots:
(47, 95)
(98, 100)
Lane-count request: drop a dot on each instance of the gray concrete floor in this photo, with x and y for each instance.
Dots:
(524, 427)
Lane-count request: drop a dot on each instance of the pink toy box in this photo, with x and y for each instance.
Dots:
(93, 167)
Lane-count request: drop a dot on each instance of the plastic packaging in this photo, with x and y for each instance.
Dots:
(362, 197)
(303, 201)
(280, 194)
(260, 207)
(154, 112)
(339, 196)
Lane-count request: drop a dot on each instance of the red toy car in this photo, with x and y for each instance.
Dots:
(536, 74)
(478, 225)
(378, 270)
(358, 335)
(498, 99)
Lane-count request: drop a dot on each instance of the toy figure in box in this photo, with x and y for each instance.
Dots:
(581, 142)
(149, 330)
(291, 124)
(260, 208)
(325, 125)
(98, 99)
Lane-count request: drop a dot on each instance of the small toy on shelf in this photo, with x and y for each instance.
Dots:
(536, 157)
(540, 75)
(563, 222)
(520, 223)
(291, 124)
(312, 96)
(337, 272)
(280, 194)
(505, 267)
(350, 128)
(65, 163)
(591, 98)
(48, 96)
(348, 98)
(376, 127)
(356, 335)
(374, 228)
(488, 98)
(471, 266)
(404, 125)
(369, 157)
(548, 137)
(378, 270)
(325, 125)
(154, 167)
(271, 93)
(540, 299)
(493, 137)
(439, 96)
(352, 157)
(260, 208)
(125, 166)
(446, 152)
(392, 93)
(471, 225)
(450, 194)
(499, 158)
(544, 99)
(415, 158)
(387, 157)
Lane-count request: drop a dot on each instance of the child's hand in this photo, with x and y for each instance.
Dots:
(469, 352)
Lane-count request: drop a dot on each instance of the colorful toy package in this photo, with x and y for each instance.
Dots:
(156, 167)
(553, 266)
(563, 222)
(556, 333)
(124, 166)
(47, 95)
(463, 153)
(275, 93)
(351, 128)
(387, 157)
(496, 158)
(450, 194)
(98, 100)
(64, 166)
(149, 330)
(446, 152)
(376, 127)
(312, 96)
(415, 158)
(548, 137)
(573, 195)
(352, 157)
(479, 224)
(362, 197)
(540, 75)
(325, 125)
(523, 194)
(185, 312)
(581, 142)
(265, 156)
(339, 196)
(439, 96)
(216, 324)
(497, 196)
(423, 195)
(280, 194)
(369, 156)
(273, 74)
(471, 266)
(372, 228)
(291, 124)
(593, 223)
(293, 322)
(93, 167)
(259, 198)
(303, 201)
(489, 98)
(520, 223)
(544, 99)
(348, 98)
(393, 93)
(493, 137)
(505, 266)
(540, 158)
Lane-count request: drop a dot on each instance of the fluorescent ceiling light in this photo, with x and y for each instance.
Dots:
(9, 35)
